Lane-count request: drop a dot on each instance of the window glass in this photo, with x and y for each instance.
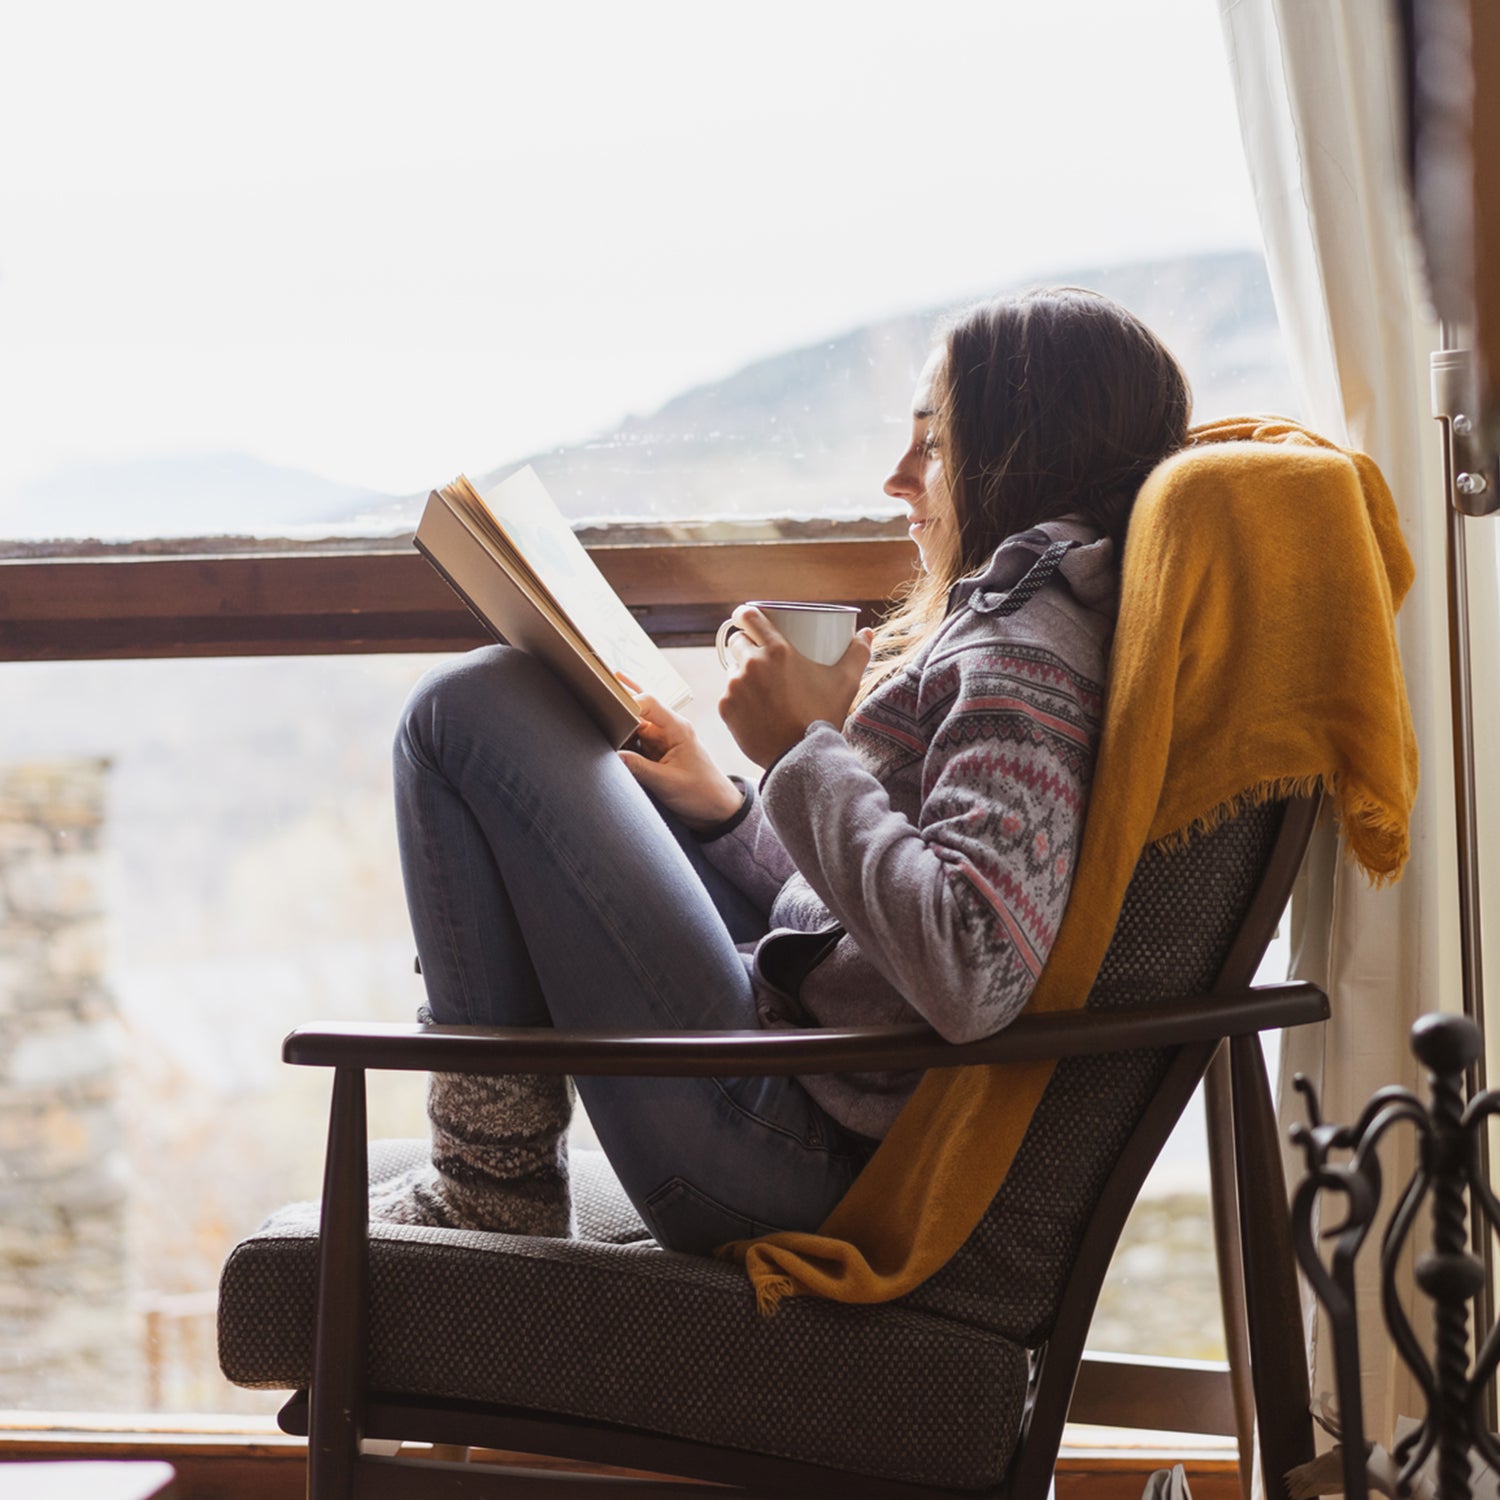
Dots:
(1161, 1296)
(280, 272)
(195, 857)
(276, 273)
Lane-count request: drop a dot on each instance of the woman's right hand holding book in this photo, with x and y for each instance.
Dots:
(676, 769)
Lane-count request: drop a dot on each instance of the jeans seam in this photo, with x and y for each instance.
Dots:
(677, 1183)
(434, 892)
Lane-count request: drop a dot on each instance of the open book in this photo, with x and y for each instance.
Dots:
(513, 559)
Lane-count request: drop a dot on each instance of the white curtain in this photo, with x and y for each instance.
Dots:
(1317, 89)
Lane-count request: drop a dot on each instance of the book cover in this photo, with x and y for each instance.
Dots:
(514, 560)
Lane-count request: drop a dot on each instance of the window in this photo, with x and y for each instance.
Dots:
(269, 277)
(276, 274)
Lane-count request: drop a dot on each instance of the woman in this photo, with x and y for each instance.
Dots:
(913, 863)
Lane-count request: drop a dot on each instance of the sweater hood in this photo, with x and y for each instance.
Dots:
(1090, 570)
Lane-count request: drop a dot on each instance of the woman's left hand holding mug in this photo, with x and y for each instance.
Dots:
(774, 692)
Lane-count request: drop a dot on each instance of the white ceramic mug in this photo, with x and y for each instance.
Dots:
(821, 632)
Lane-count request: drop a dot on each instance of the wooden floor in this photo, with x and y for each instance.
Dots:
(212, 1468)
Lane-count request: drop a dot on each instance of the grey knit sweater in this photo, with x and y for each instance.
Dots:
(917, 864)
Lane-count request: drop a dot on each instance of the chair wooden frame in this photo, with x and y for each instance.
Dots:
(338, 1413)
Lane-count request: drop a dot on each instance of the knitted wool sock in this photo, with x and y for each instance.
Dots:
(499, 1158)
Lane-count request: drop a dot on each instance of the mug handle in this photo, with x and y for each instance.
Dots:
(721, 640)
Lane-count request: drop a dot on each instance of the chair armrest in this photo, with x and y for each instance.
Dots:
(747, 1054)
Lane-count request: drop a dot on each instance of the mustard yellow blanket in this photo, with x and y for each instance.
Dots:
(1255, 657)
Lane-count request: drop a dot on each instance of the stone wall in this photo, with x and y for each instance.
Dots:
(66, 1333)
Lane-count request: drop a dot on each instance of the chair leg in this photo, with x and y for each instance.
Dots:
(1224, 1199)
(335, 1396)
(1278, 1360)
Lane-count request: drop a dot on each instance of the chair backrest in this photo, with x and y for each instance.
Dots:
(1181, 916)
(1194, 920)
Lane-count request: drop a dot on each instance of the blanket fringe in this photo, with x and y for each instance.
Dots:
(1378, 839)
(1375, 838)
(769, 1292)
(1275, 790)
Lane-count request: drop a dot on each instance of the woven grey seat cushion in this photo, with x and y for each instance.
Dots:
(609, 1326)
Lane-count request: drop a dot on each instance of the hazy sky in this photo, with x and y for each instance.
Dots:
(383, 243)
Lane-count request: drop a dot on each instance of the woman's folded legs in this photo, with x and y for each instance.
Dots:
(546, 888)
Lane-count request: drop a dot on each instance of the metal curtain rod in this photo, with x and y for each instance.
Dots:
(1471, 489)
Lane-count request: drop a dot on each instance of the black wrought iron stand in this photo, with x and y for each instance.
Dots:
(1343, 1160)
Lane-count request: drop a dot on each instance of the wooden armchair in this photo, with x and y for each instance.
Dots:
(608, 1349)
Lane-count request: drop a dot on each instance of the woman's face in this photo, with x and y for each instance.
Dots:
(918, 480)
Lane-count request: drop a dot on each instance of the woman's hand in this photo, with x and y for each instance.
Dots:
(774, 692)
(677, 770)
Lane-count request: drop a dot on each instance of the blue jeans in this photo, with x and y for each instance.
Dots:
(546, 887)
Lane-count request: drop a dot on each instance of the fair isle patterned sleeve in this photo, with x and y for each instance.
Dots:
(943, 830)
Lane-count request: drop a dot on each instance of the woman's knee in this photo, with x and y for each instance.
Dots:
(477, 693)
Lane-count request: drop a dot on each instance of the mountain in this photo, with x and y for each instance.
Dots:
(808, 432)
(209, 494)
(816, 429)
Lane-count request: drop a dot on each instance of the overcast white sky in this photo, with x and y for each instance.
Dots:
(386, 242)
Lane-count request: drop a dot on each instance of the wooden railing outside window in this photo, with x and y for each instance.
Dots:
(270, 603)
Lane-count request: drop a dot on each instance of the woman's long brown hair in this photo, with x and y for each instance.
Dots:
(1054, 403)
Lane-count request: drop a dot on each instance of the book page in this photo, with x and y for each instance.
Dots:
(541, 538)
(466, 503)
(480, 566)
